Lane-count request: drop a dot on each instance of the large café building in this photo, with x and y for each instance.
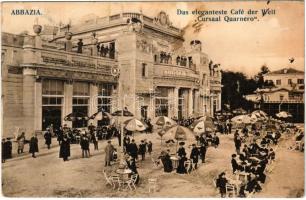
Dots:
(145, 65)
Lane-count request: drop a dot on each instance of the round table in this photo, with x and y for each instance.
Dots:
(174, 161)
(124, 173)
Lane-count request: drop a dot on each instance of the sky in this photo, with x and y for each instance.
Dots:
(237, 46)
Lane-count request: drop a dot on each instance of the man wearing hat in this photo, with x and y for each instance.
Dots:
(65, 149)
(109, 150)
(80, 46)
(194, 155)
(235, 165)
(85, 146)
(33, 145)
(133, 149)
(203, 149)
(142, 149)
(48, 138)
(181, 151)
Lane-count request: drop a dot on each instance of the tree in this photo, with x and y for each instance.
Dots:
(260, 80)
(235, 86)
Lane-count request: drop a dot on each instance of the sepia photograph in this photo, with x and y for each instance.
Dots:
(153, 99)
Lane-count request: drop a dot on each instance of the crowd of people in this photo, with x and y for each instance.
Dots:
(254, 152)
(197, 153)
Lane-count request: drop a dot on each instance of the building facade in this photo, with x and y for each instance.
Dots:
(124, 60)
(287, 95)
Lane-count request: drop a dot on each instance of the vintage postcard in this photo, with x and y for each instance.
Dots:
(152, 99)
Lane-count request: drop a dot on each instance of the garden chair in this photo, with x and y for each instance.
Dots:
(108, 179)
(117, 181)
(230, 190)
(131, 183)
(152, 184)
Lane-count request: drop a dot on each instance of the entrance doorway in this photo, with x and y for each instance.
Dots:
(51, 115)
(81, 110)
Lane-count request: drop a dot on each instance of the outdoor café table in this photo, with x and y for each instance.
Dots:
(236, 183)
(174, 161)
(124, 173)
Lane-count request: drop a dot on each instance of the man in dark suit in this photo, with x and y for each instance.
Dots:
(33, 145)
(142, 149)
(133, 149)
(194, 155)
(203, 149)
(48, 138)
(235, 165)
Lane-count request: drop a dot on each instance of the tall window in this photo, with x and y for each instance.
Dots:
(289, 81)
(281, 97)
(105, 97)
(278, 82)
(161, 102)
(52, 100)
(80, 103)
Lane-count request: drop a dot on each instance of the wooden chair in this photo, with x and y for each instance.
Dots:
(242, 177)
(230, 190)
(192, 165)
(188, 166)
(131, 183)
(108, 179)
(118, 181)
(152, 184)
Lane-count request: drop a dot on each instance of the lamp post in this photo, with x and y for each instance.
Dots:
(115, 72)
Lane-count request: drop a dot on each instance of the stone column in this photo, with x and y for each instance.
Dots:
(28, 100)
(93, 102)
(196, 106)
(38, 105)
(176, 101)
(185, 103)
(190, 102)
(219, 102)
(67, 106)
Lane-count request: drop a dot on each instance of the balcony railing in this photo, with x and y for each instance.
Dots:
(115, 20)
(285, 101)
(68, 59)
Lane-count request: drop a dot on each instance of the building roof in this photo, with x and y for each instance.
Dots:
(271, 90)
(288, 70)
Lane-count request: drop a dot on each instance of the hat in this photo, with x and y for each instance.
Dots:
(182, 143)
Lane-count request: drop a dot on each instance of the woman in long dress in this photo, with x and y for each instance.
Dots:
(181, 169)
(65, 149)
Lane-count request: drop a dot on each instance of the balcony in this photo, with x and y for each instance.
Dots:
(75, 61)
(174, 72)
(118, 20)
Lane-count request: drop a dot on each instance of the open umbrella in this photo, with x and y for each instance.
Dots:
(239, 111)
(283, 114)
(243, 119)
(203, 124)
(179, 133)
(134, 125)
(76, 116)
(126, 113)
(163, 121)
(101, 115)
